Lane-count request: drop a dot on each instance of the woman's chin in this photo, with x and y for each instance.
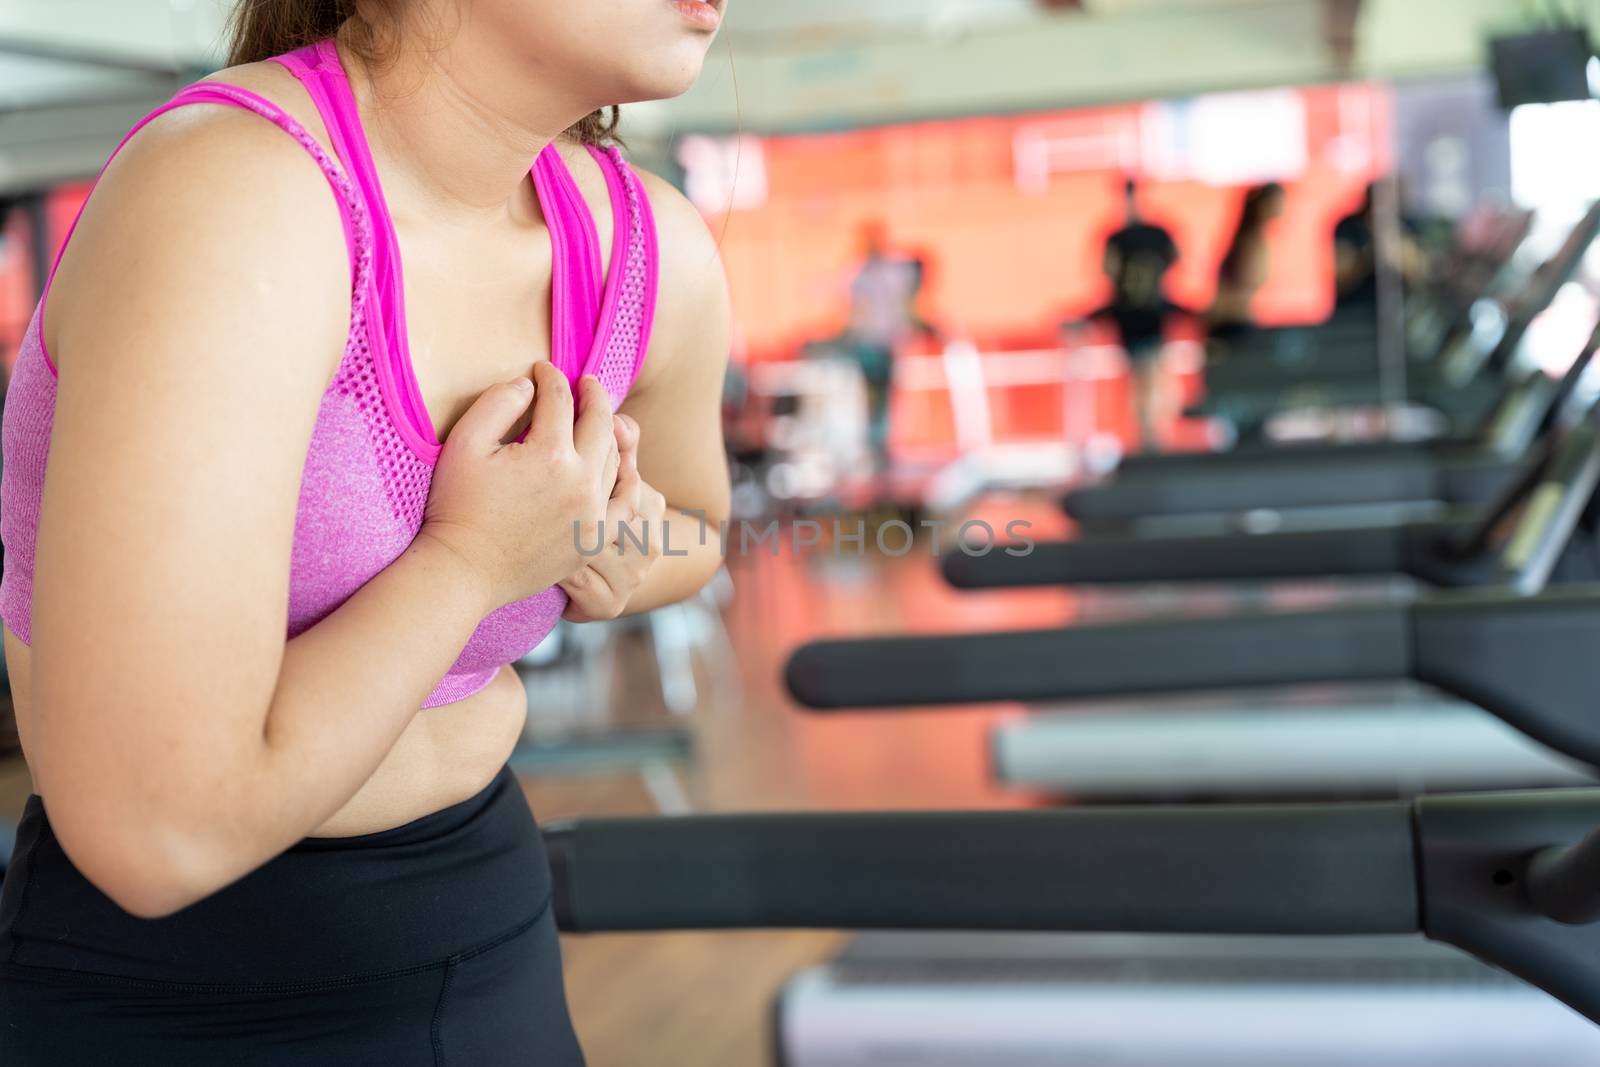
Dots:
(662, 83)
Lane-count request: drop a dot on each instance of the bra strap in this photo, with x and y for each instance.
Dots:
(352, 212)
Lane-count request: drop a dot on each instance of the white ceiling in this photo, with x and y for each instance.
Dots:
(156, 29)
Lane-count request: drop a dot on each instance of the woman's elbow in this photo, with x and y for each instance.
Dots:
(150, 867)
(150, 898)
(707, 555)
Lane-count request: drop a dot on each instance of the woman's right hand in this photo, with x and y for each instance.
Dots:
(516, 513)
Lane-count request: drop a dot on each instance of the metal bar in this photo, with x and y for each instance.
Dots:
(1248, 870)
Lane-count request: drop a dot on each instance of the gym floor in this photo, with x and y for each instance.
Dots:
(706, 999)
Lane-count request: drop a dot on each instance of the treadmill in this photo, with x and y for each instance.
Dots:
(1360, 744)
(1343, 346)
(1486, 261)
(1512, 878)
(1368, 744)
(1449, 380)
(1462, 345)
(1413, 637)
(1245, 746)
(1093, 1000)
(1295, 889)
(1178, 1000)
(1323, 476)
(1508, 877)
(1452, 550)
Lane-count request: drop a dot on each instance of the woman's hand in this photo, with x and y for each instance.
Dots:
(515, 512)
(602, 588)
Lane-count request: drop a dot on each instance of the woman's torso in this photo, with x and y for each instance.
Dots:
(477, 310)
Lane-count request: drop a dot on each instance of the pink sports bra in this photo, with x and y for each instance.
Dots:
(372, 453)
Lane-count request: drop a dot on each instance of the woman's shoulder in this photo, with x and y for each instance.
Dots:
(684, 236)
(693, 307)
(690, 255)
(274, 83)
(680, 229)
(202, 193)
(692, 284)
(212, 149)
(227, 163)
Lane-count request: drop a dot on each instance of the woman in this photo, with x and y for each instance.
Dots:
(1245, 266)
(260, 843)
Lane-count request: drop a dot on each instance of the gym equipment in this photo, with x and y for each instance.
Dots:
(1321, 476)
(1399, 746)
(1464, 643)
(1288, 357)
(1480, 645)
(1345, 347)
(1510, 654)
(1505, 429)
(1087, 1000)
(1215, 1006)
(1452, 373)
(1507, 877)
(1458, 549)
(1375, 748)
(1488, 667)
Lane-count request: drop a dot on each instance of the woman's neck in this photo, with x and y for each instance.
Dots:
(456, 129)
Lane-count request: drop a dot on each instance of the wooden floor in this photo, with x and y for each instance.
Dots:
(706, 999)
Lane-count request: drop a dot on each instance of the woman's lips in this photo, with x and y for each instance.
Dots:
(706, 14)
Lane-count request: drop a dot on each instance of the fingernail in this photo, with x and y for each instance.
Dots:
(522, 385)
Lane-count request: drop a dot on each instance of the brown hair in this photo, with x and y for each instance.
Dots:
(261, 29)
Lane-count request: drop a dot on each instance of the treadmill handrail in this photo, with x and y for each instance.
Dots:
(1552, 513)
(1257, 648)
(1554, 485)
(1452, 867)
(1564, 881)
(1538, 407)
(1244, 869)
(1541, 289)
(1566, 406)
(1379, 549)
(1521, 658)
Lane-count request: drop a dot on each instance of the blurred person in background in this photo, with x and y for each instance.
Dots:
(1137, 258)
(1246, 264)
(884, 292)
(1356, 259)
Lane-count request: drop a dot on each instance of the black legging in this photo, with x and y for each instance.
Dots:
(430, 944)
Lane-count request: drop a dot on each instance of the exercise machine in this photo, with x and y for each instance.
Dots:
(1088, 1000)
(1325, 476)
(1454, 373)
(1508, 877)
(1484, 261)
(1456, 549)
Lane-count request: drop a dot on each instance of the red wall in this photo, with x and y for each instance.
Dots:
(1004, 263)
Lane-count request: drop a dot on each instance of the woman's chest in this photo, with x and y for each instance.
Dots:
(474, 315)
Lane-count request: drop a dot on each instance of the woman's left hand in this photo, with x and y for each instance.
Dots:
(601, 590)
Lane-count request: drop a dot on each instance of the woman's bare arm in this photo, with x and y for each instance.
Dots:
(178, 740)
(677, 402)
